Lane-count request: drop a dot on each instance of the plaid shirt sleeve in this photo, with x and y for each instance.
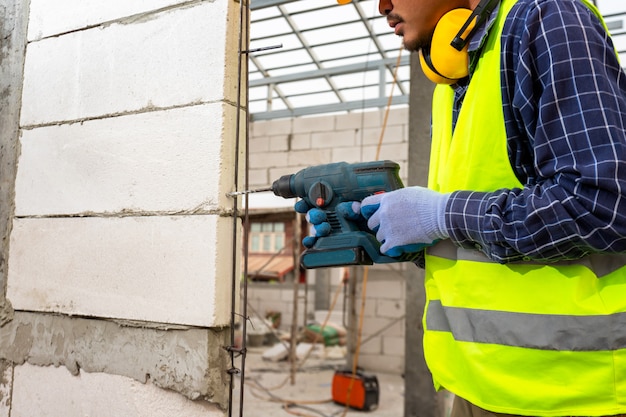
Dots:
(564, 100)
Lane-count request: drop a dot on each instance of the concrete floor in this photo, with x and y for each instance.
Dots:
(268, 388)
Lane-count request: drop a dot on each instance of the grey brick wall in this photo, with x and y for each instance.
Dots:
(284, 146)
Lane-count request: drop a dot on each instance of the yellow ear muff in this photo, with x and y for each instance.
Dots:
(429, 69)
(442, 63)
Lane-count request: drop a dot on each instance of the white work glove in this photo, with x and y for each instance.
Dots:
(406, 220)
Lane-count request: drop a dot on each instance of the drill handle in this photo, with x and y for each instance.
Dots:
(342, 219)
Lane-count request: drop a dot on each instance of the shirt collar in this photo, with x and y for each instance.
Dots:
(475, 45)
(477, 41)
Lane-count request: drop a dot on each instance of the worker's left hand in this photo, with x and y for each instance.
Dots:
(406, 220)
(318, 219)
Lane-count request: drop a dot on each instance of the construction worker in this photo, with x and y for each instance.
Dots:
(523, 224)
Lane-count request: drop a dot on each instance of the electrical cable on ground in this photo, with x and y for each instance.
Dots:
(308, 353)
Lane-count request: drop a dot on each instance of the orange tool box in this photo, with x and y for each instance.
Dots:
(359, 391)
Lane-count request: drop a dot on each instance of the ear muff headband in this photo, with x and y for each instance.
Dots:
(446, 60)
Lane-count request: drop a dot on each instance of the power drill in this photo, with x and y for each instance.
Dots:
(325, 186)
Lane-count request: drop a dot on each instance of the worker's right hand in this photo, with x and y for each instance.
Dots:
(406, 220)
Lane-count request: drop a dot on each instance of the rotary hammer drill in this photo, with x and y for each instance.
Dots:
(324, 187)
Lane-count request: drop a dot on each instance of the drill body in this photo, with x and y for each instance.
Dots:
(325, 186)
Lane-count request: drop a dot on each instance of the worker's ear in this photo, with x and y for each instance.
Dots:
(446, 60)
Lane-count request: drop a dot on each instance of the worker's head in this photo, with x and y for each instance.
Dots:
(415, 20)
(439, 30)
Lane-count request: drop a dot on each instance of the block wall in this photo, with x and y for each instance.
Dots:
(122, 167)
(119, 251)
(264, 298)
(382, 345)
(284, 146)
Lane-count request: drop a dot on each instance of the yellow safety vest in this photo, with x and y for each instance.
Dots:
(521, 338)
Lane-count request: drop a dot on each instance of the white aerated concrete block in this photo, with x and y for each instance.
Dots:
(161, 60)
(6, 382)
(161, 161)
(167, 269)
(53, 392)
(49, 18)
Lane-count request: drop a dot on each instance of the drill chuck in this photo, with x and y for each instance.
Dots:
(282, 187)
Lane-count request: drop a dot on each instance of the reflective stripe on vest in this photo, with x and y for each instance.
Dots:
(576, 333)
(601, 264)
(523, 338)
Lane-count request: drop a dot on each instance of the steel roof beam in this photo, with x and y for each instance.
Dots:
(329, 108)
(376, 42)
(343, 69)
(262, 4)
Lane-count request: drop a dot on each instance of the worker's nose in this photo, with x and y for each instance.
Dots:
(385, 7)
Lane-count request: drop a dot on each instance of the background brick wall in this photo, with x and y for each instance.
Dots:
(284, 146)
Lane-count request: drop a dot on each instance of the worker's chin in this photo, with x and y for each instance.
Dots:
(412, 44)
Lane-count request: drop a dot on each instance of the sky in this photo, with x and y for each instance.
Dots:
(611, 6)
(615, 17)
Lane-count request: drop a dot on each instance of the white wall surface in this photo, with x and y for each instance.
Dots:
(159, 161)
(49, 18)
(615, 12)
(127, 154)
(608, 7)
(167, 269)
(54, 392)
(164, 59)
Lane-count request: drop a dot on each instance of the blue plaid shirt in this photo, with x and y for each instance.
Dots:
(564, 100)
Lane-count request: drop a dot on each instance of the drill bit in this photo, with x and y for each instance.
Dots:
(257, 190)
